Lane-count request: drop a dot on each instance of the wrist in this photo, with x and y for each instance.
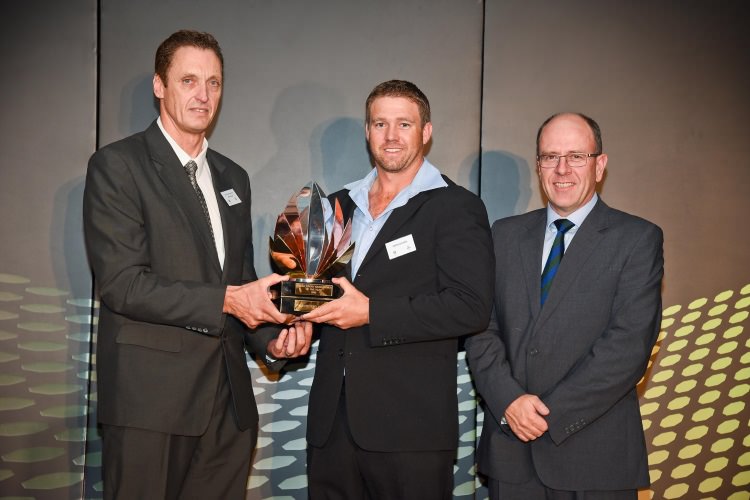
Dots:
(229, 299)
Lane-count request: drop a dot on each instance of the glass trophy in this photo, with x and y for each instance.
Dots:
(303, 248)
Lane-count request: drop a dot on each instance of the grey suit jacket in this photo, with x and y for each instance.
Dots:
(163, 341)
(582, 353)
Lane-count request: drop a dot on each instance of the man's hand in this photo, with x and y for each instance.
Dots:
(348, 311)
(525, 416)
(292, 342)
(251, 302)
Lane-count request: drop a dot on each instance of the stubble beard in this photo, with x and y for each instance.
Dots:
(392, 165)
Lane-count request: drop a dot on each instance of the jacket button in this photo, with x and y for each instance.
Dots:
(533, 351)
(341, 353)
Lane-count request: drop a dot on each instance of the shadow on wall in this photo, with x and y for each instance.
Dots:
(329, 151)
(66, 229)
(339, 152)
(505, 187)
(138, 106)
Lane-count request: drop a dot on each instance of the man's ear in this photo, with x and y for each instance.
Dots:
(426, 132)
(158, 86)
(601, 164)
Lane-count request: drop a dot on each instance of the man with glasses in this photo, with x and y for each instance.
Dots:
(569, 337)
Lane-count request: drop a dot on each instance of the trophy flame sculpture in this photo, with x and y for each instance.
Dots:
(303, 249)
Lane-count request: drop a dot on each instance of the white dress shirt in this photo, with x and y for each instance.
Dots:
(203, 176)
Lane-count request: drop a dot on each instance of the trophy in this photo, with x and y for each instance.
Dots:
(303, 249)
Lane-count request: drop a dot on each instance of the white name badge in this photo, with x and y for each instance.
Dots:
(401, 246)
(231, 197)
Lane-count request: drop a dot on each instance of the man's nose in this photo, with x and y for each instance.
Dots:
(202, 92)
(562, 167)
(391, 133)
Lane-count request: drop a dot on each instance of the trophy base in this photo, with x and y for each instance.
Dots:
(301, 295)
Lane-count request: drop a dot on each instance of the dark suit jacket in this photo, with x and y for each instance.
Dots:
(163, 341)
(401, 368)
(582, 353)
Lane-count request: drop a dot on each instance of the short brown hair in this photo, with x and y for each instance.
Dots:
(400, 88)
(184, 38)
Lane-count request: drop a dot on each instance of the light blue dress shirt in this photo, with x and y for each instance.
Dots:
(364, 227)
(576, 218)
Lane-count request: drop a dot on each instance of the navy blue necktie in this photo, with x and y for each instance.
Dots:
(555, 256)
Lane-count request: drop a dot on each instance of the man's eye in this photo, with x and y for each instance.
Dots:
(548, 158)
(577, 157)
(187, 81)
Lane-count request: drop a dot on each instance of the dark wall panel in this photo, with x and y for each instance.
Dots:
(47, 133)
(667, 83)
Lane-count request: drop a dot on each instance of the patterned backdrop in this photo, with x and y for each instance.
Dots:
(693, 400)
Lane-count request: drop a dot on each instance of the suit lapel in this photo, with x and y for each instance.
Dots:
(530, 246)
(587, 238)
(398, 218)
(229, 219)
(176, 180)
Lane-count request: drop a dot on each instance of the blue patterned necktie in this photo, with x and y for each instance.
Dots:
(555, 256)
(191, 167)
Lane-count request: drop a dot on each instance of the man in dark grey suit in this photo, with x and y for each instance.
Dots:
(569, 339)
(169, 238)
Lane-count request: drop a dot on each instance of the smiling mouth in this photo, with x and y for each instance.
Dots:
(392, 150)
(563, 184)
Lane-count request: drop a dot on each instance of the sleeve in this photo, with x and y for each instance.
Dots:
(257, 339)
(117, 244)
(488, 362)
(618, 358)
(464, 266)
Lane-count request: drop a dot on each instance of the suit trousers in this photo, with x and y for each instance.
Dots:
(341, 470)
(141, 464)
(535, 490)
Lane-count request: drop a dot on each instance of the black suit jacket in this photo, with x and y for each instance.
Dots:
(401, 368)
(163, 341)
(582, 353)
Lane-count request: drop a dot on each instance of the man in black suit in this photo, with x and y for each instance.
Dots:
(558, 365)
(383, 417)
(169, 237)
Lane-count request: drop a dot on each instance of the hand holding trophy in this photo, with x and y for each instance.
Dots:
(303, 249)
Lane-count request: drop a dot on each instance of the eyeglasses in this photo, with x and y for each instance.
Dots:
(572, 159)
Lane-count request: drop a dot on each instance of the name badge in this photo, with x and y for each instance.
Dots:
(400, 246)
(231, 197)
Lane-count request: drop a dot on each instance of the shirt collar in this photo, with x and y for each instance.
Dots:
(200, 160)
(428, 177)
(576, 217)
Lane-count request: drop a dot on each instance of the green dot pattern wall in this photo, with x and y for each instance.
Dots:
(694, 400)
(44, 384)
